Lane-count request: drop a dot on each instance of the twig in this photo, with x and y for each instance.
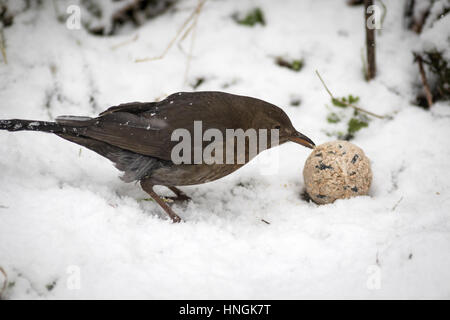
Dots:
(193, 28)
(396, 204)
(424, 80)
(346, 103)
(324, 85)
(266, 222)
(2, 44)
(185, 34)
(414, 24)
(191, 47)
(5, 282)
(195, 13)
(370, 42)
(418, 24)
(163, 199)
(354, 2)
(364, 64)
(125, 42)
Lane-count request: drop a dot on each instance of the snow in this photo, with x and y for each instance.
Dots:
(65, 213)
(438, 37)
(436, 33)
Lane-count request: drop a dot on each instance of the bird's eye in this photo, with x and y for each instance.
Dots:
(277, 127)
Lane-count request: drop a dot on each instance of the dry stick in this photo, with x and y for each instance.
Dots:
(196, 14)
(191, 47)
(363, 59)
(418, 23)
(136, 36)
(346, 103)
(2, 45)
(180, 30)
(186, 33)
(370, 42)
(354, 2)
(397, 203)
(4, 283)
(424, 81)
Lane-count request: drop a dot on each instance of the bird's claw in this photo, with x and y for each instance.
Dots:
(180, 198)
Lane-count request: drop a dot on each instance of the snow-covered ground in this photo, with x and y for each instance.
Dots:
(69, 228)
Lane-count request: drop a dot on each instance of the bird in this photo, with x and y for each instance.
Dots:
(138, 137)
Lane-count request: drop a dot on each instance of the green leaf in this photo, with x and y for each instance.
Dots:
(198, 82)
(338, 103)
(294, 65)
(352, 99)
(297, 65)
(333, 118)
(50, 286)
(253, 17)
(344, 101)
(355, 125)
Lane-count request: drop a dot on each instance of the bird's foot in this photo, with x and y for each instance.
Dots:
(180, 195)
(181, 198)
(149, 189)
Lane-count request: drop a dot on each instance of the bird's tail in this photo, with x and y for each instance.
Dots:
(62, 125)
(29, 125)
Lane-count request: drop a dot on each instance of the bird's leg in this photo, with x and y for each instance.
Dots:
(180, 195)
(149, 189)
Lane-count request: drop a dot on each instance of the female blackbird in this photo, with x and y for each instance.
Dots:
(138, 136)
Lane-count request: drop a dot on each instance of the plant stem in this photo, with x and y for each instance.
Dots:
(346, 103)
(2, 44)
(424, 81)
(5, 282)
(370, 42)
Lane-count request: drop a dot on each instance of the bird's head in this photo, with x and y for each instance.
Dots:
(273, 117)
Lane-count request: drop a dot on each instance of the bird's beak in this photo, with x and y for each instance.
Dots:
(302, 139)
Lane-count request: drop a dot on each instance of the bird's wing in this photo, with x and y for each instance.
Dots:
(149, 132)
(134, 166)
(131, 107)
(128, 131)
